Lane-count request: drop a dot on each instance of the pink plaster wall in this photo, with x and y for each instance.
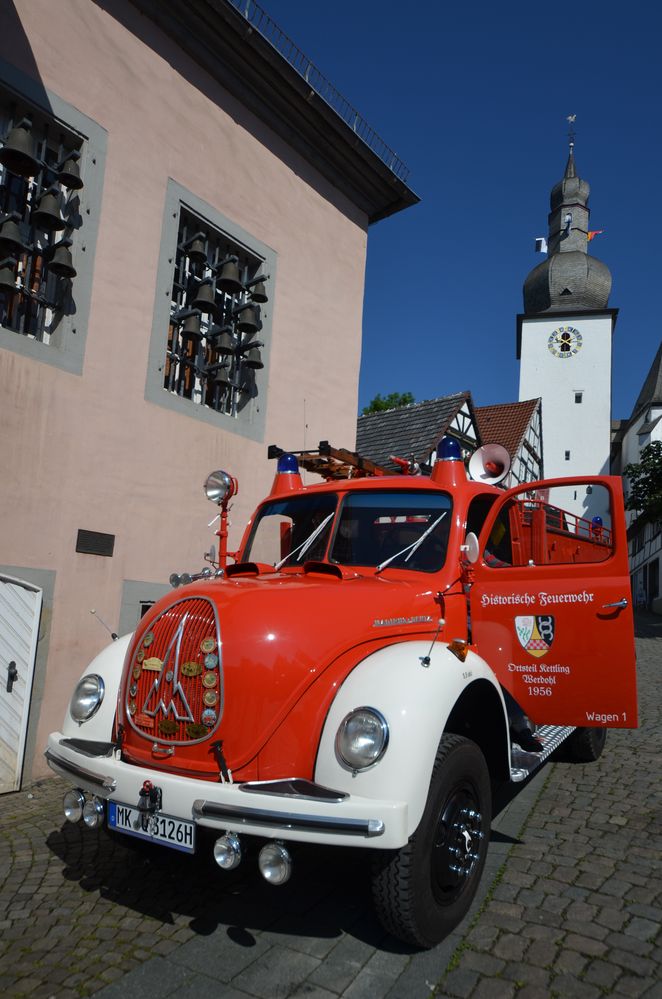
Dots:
(88, 451)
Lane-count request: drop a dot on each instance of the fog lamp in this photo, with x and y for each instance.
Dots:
(275, 863)
(93, 813)
(227, 851)
(72, 804)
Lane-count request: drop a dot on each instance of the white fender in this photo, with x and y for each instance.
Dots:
(108, 664)
(416, 701)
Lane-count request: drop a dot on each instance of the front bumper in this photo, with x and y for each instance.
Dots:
(294, 810)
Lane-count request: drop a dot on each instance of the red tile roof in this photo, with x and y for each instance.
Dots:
(505, 423)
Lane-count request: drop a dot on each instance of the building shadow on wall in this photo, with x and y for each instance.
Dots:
(15, 41)
(145, 27)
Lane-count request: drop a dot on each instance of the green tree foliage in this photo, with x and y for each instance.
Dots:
(646, 482)
(395, 400)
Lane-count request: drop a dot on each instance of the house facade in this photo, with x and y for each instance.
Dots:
(412, 433)
(630, 437)
(179, 206)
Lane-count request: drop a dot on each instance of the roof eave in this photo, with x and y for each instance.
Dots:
(223, 43)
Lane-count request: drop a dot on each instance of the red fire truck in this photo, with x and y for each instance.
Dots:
(384, 651)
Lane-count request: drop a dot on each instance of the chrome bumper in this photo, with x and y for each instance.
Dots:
(296, 810)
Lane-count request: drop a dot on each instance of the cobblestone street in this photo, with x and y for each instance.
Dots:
(570, 904)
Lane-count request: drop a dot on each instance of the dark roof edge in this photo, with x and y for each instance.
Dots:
(220, 40)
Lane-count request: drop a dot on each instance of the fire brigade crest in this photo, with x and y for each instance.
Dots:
(535, 633)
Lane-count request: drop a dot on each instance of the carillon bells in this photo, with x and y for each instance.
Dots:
(61, 262)
(10, 235)
(196, 248)
(47, 214)
(224, 343)
(248, 317)
(17, 152)
(253, 359)
(68, 172)
(228, 279)
(222, 376)
(257, 289)
(191, 326)
(8, 274)
(204, 299)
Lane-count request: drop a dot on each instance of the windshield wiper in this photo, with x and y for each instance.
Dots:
(305, 545)
(411, 548)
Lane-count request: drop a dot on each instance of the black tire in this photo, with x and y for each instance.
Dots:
(585, 745)
(422, 891)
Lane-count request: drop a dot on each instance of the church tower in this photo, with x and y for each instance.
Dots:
(564, 339)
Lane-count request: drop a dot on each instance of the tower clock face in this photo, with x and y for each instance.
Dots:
(565, 341)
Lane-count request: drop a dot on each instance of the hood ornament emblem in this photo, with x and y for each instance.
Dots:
(177, 703)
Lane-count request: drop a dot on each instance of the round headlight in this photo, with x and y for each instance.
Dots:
(87, 697)
(362, 738)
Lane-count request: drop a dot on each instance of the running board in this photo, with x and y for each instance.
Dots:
(523, 764)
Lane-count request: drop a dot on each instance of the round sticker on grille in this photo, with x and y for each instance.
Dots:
(211, 661)
(132, 707)
(208, 644)
(209, 680)
(209, 717)
(148, 639)
(210, 698)
(140, 655)
(136, 672)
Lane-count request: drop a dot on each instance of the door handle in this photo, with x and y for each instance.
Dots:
(12, 675)
(618, 603)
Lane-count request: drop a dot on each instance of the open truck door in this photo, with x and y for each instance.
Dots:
(550, 597)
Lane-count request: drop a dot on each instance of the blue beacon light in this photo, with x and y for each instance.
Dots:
(449, 450)
(287, 463)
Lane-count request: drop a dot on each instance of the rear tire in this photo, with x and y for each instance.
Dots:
(422, 891)
(585, 745)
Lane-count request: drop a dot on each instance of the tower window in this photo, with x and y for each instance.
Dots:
(579, 396)
(567, 456)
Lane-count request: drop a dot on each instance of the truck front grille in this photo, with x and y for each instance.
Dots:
(174, 685)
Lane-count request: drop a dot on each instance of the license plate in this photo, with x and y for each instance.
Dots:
(165, 829)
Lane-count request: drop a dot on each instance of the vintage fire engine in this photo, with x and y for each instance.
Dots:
(384, 653)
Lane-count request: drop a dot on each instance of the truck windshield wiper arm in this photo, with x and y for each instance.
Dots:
(305, 545)
(411, 548)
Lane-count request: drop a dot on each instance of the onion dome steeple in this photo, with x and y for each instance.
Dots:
(569, 280)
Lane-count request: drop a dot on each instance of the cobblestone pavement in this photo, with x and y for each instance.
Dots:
(570, 903)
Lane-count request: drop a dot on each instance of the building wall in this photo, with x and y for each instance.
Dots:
(87, 450)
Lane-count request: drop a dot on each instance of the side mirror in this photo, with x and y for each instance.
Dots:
(470, 548)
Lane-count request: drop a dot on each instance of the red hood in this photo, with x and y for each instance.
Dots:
(272, 636)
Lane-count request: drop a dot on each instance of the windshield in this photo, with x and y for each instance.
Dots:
(292, 530)
(404, 530)
(399, 530)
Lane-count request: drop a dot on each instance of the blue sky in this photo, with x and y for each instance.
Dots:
(474, 98)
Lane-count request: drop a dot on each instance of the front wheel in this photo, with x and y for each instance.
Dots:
(423, 890)
(585, 745)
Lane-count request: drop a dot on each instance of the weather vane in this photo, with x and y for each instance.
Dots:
(571, 118)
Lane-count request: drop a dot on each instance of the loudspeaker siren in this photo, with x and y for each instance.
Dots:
(490, 464)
